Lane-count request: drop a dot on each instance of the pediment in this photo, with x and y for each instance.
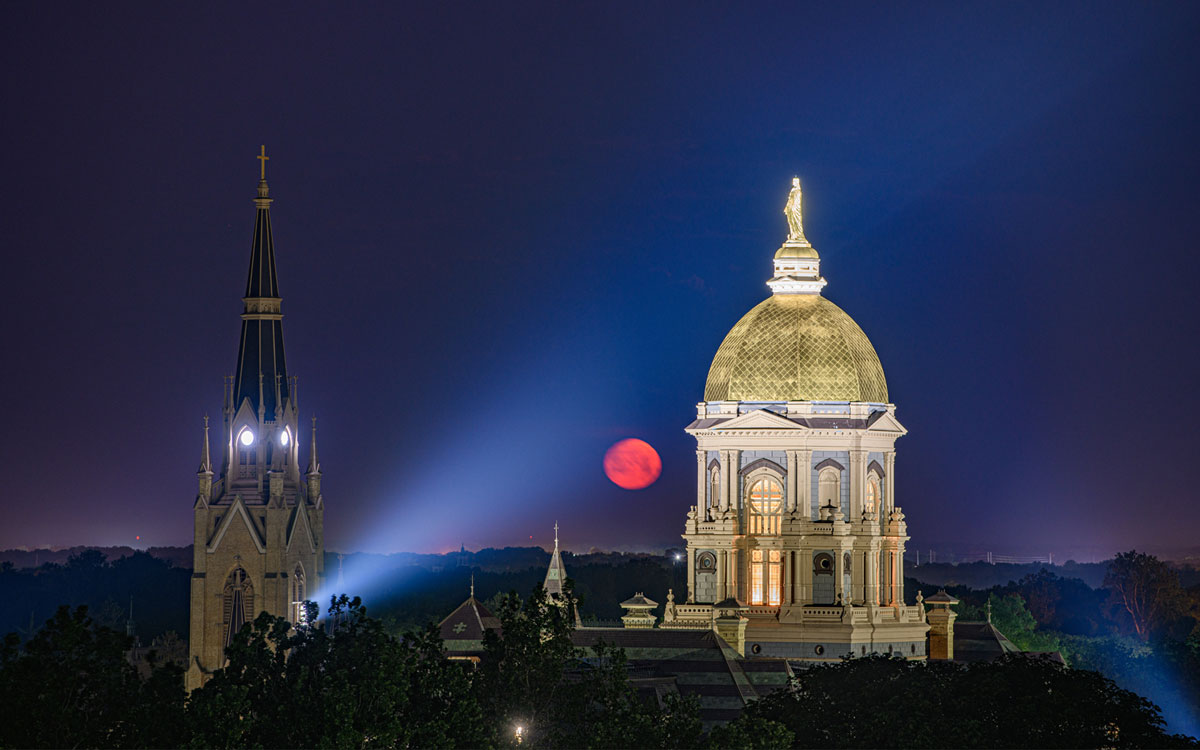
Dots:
(236, 511)
(882, 421)
(759, 419)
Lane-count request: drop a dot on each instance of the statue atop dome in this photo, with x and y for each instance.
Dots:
(792, 211)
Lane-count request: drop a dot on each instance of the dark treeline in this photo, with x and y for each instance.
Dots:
(348, 682)
(158, 590)
(1140, 628)
(408, 596)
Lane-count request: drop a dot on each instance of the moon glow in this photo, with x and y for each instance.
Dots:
(632, 464)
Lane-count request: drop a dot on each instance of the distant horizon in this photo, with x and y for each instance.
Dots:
(1182, 555)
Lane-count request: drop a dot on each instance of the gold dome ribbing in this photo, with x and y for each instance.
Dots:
(796, 347)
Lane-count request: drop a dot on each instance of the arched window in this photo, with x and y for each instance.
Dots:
(239, 603)
(829, 488)
(872, 502)
(766, 506)
(714, 488)
(299, 594)
(247, 453)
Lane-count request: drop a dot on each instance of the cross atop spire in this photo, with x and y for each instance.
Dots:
(262, 161)
(556, 535)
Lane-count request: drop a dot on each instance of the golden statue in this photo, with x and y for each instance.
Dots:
(792, 212)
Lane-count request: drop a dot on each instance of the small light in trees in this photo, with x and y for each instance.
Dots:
(519, 733)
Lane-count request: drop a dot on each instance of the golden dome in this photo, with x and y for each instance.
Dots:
(796, 347)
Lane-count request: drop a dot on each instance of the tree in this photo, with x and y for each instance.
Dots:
(532, 676)
(1017, 701)
(1146, 590)
(71, 686)
(341, 683)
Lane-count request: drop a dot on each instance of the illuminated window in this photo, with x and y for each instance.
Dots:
(756, 577)
(873, 496)
(766, 577)
(247, 455)
(766, 506)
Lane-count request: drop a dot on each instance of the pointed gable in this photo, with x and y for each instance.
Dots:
(237, 511)
(462, 630)
(299, 523)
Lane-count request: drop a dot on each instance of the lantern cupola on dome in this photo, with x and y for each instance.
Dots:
(796, 345)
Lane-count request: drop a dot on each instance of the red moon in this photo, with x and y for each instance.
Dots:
(632, 464)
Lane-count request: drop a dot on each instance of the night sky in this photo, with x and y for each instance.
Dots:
(511, 234)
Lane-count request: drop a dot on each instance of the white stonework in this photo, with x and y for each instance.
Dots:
(814, 576)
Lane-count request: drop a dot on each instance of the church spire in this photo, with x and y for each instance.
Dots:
(260, 352)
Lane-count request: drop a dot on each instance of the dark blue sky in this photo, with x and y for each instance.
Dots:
(509, 235)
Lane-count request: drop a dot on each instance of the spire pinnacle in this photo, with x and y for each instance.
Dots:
(262, 161)
(314, 466)
(205, 455)
(556, 535)
(472, 585)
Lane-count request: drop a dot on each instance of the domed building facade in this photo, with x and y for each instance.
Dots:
(795, 545)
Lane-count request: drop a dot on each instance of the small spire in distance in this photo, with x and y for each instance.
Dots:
(472, 585)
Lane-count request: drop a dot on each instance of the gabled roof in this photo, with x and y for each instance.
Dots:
(980, 641)
(462, 631)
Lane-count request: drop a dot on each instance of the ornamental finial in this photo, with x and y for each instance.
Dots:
(262, 162)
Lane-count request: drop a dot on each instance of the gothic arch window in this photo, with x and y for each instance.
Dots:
(829, 487)
(706, 562)
(247, 445)
(874, 499)
(299, 594)
(239, 603)
(765, 501)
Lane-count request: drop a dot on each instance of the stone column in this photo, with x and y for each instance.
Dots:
(691, 573)
(858, 484)
(785, 584)
(722, 577)
(889, 459)
(702, 511)
(804, 568)
(871, 571)
(839, 577)
(733, 478)
(792, 483)
(804, 482)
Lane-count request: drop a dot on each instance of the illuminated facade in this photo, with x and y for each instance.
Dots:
(258, 544)
(795, 546)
